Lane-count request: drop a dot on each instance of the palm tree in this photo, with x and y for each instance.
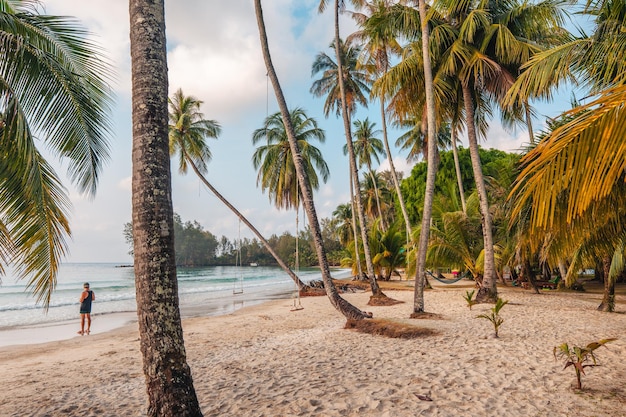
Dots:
(376, 198)
(274, 160)
(55, 83)
(367, 147)
(343, 306)
(187, 133)
(168, 377)
(583, 157)
(346, 112)
(379, 46)
(342, 220)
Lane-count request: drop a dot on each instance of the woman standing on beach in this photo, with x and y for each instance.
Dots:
(86, 297)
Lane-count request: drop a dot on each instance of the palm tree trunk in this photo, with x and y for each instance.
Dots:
(488, 291)
(457, 167)
(380, 212)
(168, 377)
(394, 175)
(357, 254)
(420, 278)
(301, 285)
(351, 156)
(608, 297)
(347, 309)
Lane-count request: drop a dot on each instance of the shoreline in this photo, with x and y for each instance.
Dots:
(266, 360)
(56, 331)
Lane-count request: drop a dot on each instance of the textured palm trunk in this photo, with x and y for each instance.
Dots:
(380, 212)
(608, 297)
(168, 377)
(394, 175)
(347, 309)
(301, 285)
(357, 254)
(431, 172)
(353, 168)
(488, 291)
(457, 168)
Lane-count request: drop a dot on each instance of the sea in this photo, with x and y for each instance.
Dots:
(211, 290)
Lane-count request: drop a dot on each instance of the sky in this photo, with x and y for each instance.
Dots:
(214, 54)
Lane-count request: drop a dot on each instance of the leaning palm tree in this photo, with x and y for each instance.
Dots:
(168, 378)
(343, 306)
(187, 133)
(54, 82)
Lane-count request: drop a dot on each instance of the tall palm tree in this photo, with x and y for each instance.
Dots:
(274, 160)
(420, 277)
(346, 114)
(343, 306)
(54, 82)
(168, 377)
(342, 221)
(367, 147)
(379, 47)
(187, 133)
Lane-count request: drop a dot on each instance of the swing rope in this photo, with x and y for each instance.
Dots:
(238, 262)
(297, 305)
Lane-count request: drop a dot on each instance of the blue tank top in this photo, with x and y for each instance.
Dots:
(85, 305)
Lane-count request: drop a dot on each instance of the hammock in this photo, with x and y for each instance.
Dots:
(439, 277)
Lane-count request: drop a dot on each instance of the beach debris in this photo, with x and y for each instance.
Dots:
(423, 397)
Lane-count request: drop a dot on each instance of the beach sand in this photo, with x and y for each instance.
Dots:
(266, 360)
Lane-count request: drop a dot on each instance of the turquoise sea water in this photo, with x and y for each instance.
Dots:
(202, 291)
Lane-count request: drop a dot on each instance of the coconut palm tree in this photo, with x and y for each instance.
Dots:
(168, 377)
(342, 220)
(343, 306)
(367, 147)
(583, 157)
(379, 46)
(55, 83)
(187, 133)
(346, 112)
(274, 159)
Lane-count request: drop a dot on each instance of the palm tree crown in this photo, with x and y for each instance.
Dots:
(188, 130)
(274, 160)
(355, 79)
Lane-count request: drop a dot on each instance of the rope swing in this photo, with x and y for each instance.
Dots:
(238, 283)
(297, 305)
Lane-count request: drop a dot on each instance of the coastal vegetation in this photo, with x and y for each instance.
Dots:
(552, 210)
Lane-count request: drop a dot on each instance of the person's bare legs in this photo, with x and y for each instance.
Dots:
(88, 322)
(82, 325)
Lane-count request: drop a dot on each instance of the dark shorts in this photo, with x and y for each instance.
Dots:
(84, 311)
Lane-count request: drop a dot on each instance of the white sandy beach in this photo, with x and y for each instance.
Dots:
(269, 361)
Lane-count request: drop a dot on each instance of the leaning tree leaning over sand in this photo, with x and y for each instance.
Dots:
(347, 309)
(168, 377)
(188, 131)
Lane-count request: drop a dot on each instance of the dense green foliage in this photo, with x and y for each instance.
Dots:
(494, 161)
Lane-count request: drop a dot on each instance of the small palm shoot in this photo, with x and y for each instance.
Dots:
(469, 298)
(494, 316)
(579, 357)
